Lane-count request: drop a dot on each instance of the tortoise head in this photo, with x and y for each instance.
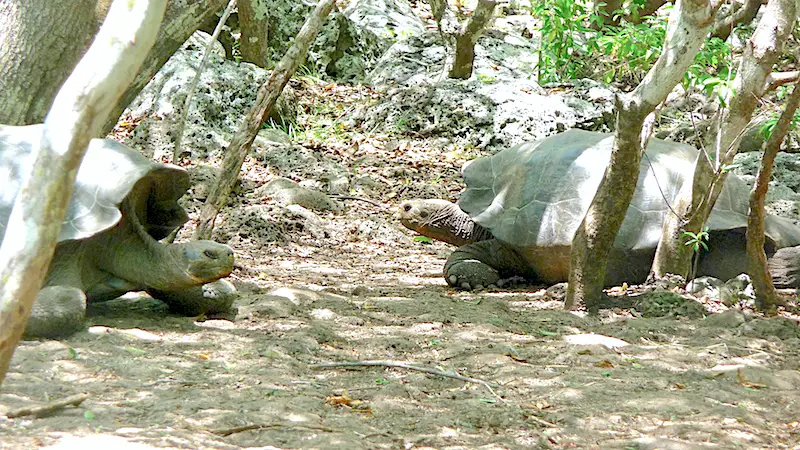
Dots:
(205, 261)
(437, 219)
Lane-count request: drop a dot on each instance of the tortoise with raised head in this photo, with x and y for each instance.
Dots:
(121, 206)
(522, 207)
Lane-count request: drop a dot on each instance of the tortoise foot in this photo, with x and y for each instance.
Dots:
(58, 312)
(211, 298)
(471, 274)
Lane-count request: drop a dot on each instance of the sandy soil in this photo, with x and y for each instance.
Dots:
(353, 285)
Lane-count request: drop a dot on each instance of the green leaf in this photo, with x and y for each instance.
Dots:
(88, 415)
(547, 333)
(423, 239)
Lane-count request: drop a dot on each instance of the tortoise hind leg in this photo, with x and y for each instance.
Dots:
(481, 264)
(211, 298)
(57, 312)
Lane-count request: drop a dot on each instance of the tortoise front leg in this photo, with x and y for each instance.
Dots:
(482, 264)
(211, 298)
(57, 312)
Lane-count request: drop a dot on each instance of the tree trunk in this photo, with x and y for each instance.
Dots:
(723, 26)
(694, 205)
(79, 110)
(689, 23)
(40, 42)
(267, 96)
(255, 33)
(466, 38)
(766, 296)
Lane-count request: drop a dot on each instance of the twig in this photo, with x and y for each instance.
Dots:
(176, 152)
(361, 199)
(229, 431)
(43, 410)
(408, 367)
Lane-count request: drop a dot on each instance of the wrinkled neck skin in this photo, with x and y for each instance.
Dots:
(446, 222)
(127, 252)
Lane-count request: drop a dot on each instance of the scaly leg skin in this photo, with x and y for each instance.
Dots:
(483, 264)
(211, 298)
(58, 312)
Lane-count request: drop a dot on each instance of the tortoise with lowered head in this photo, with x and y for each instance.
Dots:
(121, 205)
(522, 207)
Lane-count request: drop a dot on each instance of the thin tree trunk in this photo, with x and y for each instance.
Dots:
(688, 25)
(78, 112)
(267, 96)
(254, 43)
(467, 36)
(694, 205)
(766, 295)
(176, 152)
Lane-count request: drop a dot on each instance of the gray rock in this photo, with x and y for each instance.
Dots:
(225, 92)
(489, 115)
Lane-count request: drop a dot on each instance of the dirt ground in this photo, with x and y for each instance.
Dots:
(352, 285)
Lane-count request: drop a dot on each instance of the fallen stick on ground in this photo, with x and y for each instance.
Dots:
(229, 431)
(41, 410)
(408, 367)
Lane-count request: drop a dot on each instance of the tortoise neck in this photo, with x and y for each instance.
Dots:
(130, 253)
(452, 225)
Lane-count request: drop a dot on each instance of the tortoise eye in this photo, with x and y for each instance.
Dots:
(209, 254)
(406, 207)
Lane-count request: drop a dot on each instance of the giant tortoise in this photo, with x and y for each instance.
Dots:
(121, 205)
(522, 207)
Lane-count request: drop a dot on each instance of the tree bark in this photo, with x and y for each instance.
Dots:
(689, 23)
(267, 96)
(723, 26)
(694, 203)
(79, 110)
(255, 34)
(40, 42)
(466, 38)
(766, 295)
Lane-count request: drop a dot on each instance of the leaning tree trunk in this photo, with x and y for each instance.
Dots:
(689, 23)
(766, 295)
(694, 203)
(79, 110)
(40, 43)
(265, 99)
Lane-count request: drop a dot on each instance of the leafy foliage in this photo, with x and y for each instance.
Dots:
(620, 54)
(562, 51)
